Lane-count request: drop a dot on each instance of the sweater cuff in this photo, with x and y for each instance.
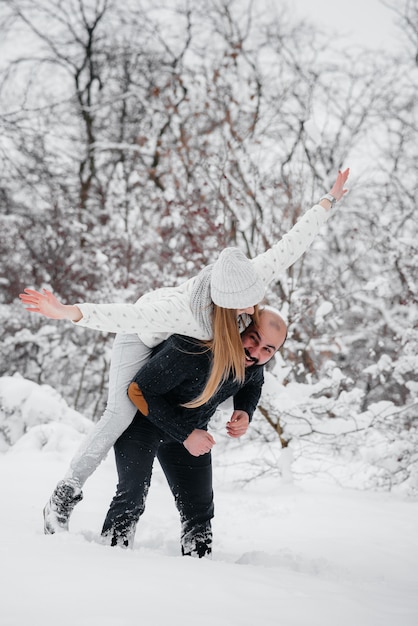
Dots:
(84, 308)
(322, 214)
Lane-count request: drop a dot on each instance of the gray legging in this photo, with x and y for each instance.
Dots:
(128, 356)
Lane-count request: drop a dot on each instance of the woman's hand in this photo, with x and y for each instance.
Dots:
(46, 304)
(337, 191)
(338, 187)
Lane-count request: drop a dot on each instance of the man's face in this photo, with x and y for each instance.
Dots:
(262, 341)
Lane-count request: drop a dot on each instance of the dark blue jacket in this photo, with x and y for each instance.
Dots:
(177, 373)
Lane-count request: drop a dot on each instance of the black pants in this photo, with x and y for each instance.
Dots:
(189, 478)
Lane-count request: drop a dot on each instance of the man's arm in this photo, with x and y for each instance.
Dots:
(246, 399)
(245, 403)
(177, 364)
(198, 442)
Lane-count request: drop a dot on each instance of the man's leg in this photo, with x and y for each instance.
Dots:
(135, 451)
(128, 356)
(190, 480)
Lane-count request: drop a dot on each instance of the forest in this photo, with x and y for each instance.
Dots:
(139, 139)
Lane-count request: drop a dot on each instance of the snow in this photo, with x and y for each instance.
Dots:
(322, 311)
(302, 553)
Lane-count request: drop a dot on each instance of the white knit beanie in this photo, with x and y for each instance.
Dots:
(234, 282)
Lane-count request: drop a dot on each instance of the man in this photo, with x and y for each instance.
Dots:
(167, 429)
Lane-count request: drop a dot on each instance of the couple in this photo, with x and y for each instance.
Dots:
(164, 427)
(214, 307)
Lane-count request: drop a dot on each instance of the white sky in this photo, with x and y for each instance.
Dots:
(362, 22)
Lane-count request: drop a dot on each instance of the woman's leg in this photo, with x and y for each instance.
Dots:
(190, 480)
(135, 451)
(129, 354)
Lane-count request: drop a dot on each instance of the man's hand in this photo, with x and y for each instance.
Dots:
(199, 442)
(48, 305)
(238, 424)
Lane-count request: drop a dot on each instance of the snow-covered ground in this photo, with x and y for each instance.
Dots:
(301, 554)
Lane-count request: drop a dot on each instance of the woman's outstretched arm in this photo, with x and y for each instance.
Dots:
(270, 264)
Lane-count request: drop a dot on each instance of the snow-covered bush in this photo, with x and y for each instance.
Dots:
(328, 433)
(25, 405)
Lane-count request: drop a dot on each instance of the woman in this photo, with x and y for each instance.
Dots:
(205, 307)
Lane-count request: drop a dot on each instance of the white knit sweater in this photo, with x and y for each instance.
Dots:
(160, 313)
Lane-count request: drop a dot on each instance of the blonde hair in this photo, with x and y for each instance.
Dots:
(227, 353)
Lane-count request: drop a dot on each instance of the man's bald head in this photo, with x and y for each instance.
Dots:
(261, 340)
